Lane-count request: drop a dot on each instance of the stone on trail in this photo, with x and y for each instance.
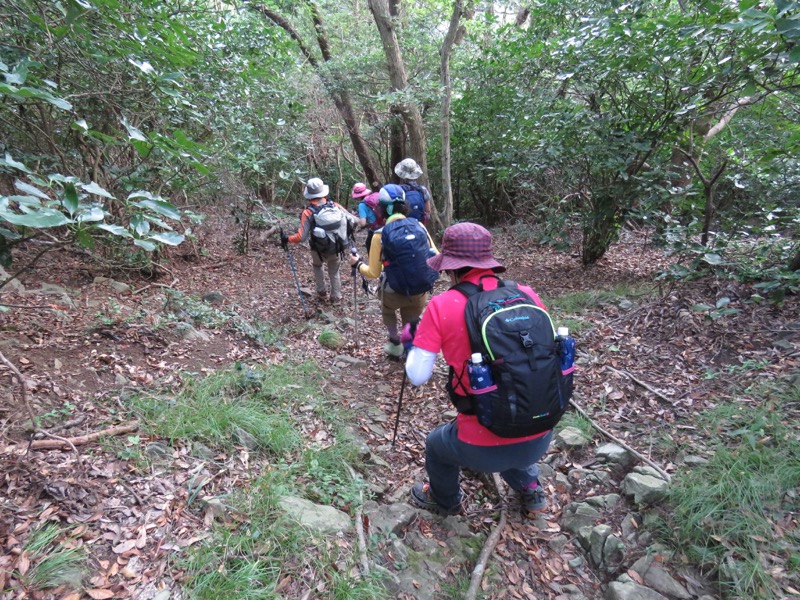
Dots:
(317, 517)
(571, 437)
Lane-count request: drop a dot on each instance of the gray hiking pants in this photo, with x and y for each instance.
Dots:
(331, 261)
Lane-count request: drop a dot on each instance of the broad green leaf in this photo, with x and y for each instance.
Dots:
(93, 214)
(70, 198)
(161, 207)
(19, 74)
(10, 162)
(115, 230)
(146, 245)
(29, 189)
(80, 125)
(133, 132)
(8, 234)
(139, 225)
(41, 219)
(700, 307)
(712, 259)
(93, 188)
(172, 238)
(84, 238)
(723, 302)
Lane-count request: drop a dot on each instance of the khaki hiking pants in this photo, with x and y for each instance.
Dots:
(410, 308)
(331, 261)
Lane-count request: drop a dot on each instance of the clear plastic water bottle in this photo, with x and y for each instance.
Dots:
(480, 379)
(567, 350)
(480, 376)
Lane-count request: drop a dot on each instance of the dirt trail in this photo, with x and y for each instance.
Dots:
(83, 348)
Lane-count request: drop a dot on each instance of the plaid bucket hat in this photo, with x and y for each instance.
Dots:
(465, 245)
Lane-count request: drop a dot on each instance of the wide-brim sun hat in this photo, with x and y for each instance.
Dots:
(360, 190)
(315, 188)
(408, 169)
(465, 245)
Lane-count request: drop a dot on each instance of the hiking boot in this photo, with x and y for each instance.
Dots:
(322, 297)
(336, 300)
(421, 497)
(394, 350)
(534, 499)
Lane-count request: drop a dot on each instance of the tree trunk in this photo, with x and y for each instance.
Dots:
(447, 49)
(341, 99)
(399, 81)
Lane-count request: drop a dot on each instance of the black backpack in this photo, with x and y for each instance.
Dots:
(405, 254)
(415, 199)
(518, 341)
(328, 217)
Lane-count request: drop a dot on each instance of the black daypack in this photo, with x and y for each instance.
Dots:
(415, 199)
(518, 341)
(405, 254)
(332, 221)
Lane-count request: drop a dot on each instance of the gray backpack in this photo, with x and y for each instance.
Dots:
(329, 229)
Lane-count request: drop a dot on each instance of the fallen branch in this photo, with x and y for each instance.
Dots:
(161, 285)
(59, 442)
(31, 414)
(649, 388)
(362, 538)
(66, 424)
(614, 438)
(488, 547)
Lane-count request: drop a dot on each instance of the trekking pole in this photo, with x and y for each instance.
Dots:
(399, 406)
(354, 252)
(294, 272)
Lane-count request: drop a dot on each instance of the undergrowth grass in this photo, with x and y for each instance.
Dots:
(568, 308)
(53, 565)
(243, 406)
(736, 515)
(265, 553)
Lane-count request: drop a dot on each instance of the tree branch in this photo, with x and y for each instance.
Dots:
(287, 27)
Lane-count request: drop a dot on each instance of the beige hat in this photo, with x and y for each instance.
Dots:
(315, 189)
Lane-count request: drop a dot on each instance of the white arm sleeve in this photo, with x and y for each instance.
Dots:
(419, 365)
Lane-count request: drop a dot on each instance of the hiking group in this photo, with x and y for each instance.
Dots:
(482, 325)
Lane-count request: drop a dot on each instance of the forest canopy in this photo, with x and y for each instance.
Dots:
(120, 120)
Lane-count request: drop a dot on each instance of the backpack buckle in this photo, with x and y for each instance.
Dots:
(525, 336)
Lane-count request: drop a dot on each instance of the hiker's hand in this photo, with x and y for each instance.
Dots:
(353, 259)
(284, 241)
(407, 336)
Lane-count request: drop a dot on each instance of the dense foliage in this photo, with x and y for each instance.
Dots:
(116, 116)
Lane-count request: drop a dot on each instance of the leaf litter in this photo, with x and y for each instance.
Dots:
(85, 360)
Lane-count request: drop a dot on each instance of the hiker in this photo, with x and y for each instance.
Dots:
(466, 256)
(398, 253)
(326, 226)
(418, 197)
(370, 216)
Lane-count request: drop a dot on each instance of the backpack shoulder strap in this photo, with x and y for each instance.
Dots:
(470, 289)
(467, 288)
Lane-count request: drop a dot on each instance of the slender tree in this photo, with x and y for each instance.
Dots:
(340, 96)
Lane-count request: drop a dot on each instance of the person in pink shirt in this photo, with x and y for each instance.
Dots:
(466, 255)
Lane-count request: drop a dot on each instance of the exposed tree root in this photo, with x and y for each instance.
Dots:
(614, 438)
(489, 546)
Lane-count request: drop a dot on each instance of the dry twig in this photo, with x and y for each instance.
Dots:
(59, 442)
(24, 393)
(649, 388)
(488, 547)
(614, 438)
